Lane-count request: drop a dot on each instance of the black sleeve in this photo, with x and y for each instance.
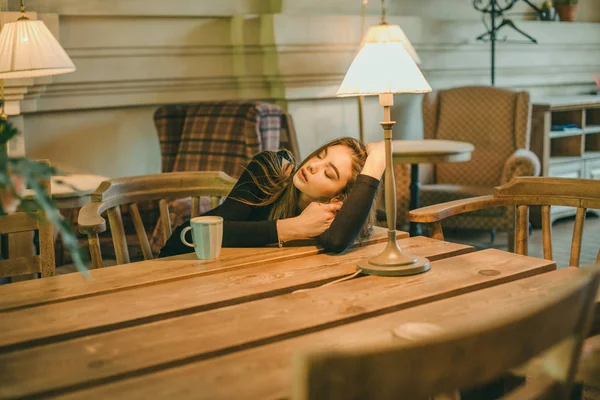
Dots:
(351, 217)
(238, 230)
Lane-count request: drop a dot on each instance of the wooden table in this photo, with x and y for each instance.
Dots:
(427, 151)
(228, 328)
(73, 190)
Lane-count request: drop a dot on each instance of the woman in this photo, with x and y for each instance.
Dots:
(329, 196)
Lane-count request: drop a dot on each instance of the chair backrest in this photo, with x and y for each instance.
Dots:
(20, 222)
(552, 330)
(222, 135)
(547, 192)
(522, 193)
(495, 121)
(114, 193)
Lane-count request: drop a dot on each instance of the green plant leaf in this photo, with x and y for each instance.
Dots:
(30, 172)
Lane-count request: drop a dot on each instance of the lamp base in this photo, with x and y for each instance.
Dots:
(393, 261)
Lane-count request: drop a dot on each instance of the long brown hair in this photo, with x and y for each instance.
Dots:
(278, 187)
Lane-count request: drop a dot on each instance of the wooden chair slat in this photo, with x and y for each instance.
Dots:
(20, 266)
(435, 231)
(140, 231)
(460, 358)
(577, 237)
(546, 233)
(18, 222)
(46, 240)
(165, 219)
(214, 201)
(196, 206)
(118, 235)
(522, 228)
(95, 252)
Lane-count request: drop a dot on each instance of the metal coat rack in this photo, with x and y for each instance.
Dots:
(496, 9)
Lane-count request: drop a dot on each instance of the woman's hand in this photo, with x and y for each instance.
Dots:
(317, 217)
(314, 220)
(375, 164)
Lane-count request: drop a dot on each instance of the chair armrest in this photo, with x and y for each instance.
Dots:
(89, 220)
(441, 211)
(522, 162)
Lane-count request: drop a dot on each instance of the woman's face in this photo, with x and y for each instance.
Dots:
(325, 175)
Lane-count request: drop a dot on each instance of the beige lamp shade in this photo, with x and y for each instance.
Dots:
(391, 33)
(28, 50)
(383, 65)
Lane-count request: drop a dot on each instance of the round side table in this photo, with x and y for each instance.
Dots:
(427, 151)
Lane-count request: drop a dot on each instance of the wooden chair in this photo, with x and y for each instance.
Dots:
(20, 222)
(114, 193)
(551, 330)
(521, 193)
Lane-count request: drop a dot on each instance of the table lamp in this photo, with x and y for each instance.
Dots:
(29, 50)
(384, 66)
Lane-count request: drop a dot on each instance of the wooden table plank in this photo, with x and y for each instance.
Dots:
(121, 277)
(265, 372)
(154, 346)
(136, 306)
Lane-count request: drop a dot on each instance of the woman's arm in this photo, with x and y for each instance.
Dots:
(352, 216)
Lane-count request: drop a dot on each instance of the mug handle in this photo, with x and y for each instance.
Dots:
(182, 236)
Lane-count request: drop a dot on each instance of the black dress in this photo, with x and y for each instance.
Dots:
(247, 225)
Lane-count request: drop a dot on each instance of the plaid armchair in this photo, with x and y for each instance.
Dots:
(497, 123)
(216, 136)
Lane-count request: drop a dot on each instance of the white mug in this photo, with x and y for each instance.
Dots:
(207, 236)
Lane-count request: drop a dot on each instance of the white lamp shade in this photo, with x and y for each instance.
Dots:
(28, 50)
(391, 33)
(383, 65)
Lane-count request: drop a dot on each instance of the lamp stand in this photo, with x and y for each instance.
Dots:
(392, 261)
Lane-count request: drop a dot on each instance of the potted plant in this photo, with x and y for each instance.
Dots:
(566, 9)
(16, 174)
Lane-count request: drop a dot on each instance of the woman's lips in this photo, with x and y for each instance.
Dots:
(303, 175)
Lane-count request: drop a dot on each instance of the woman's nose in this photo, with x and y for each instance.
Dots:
(314, 166)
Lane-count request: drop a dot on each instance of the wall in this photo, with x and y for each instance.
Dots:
(133, 55)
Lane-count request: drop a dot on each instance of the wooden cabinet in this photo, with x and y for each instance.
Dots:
(565, 135)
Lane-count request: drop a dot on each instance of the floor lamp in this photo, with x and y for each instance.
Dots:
(383, 67)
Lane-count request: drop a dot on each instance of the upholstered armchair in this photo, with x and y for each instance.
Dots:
(497, 123)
